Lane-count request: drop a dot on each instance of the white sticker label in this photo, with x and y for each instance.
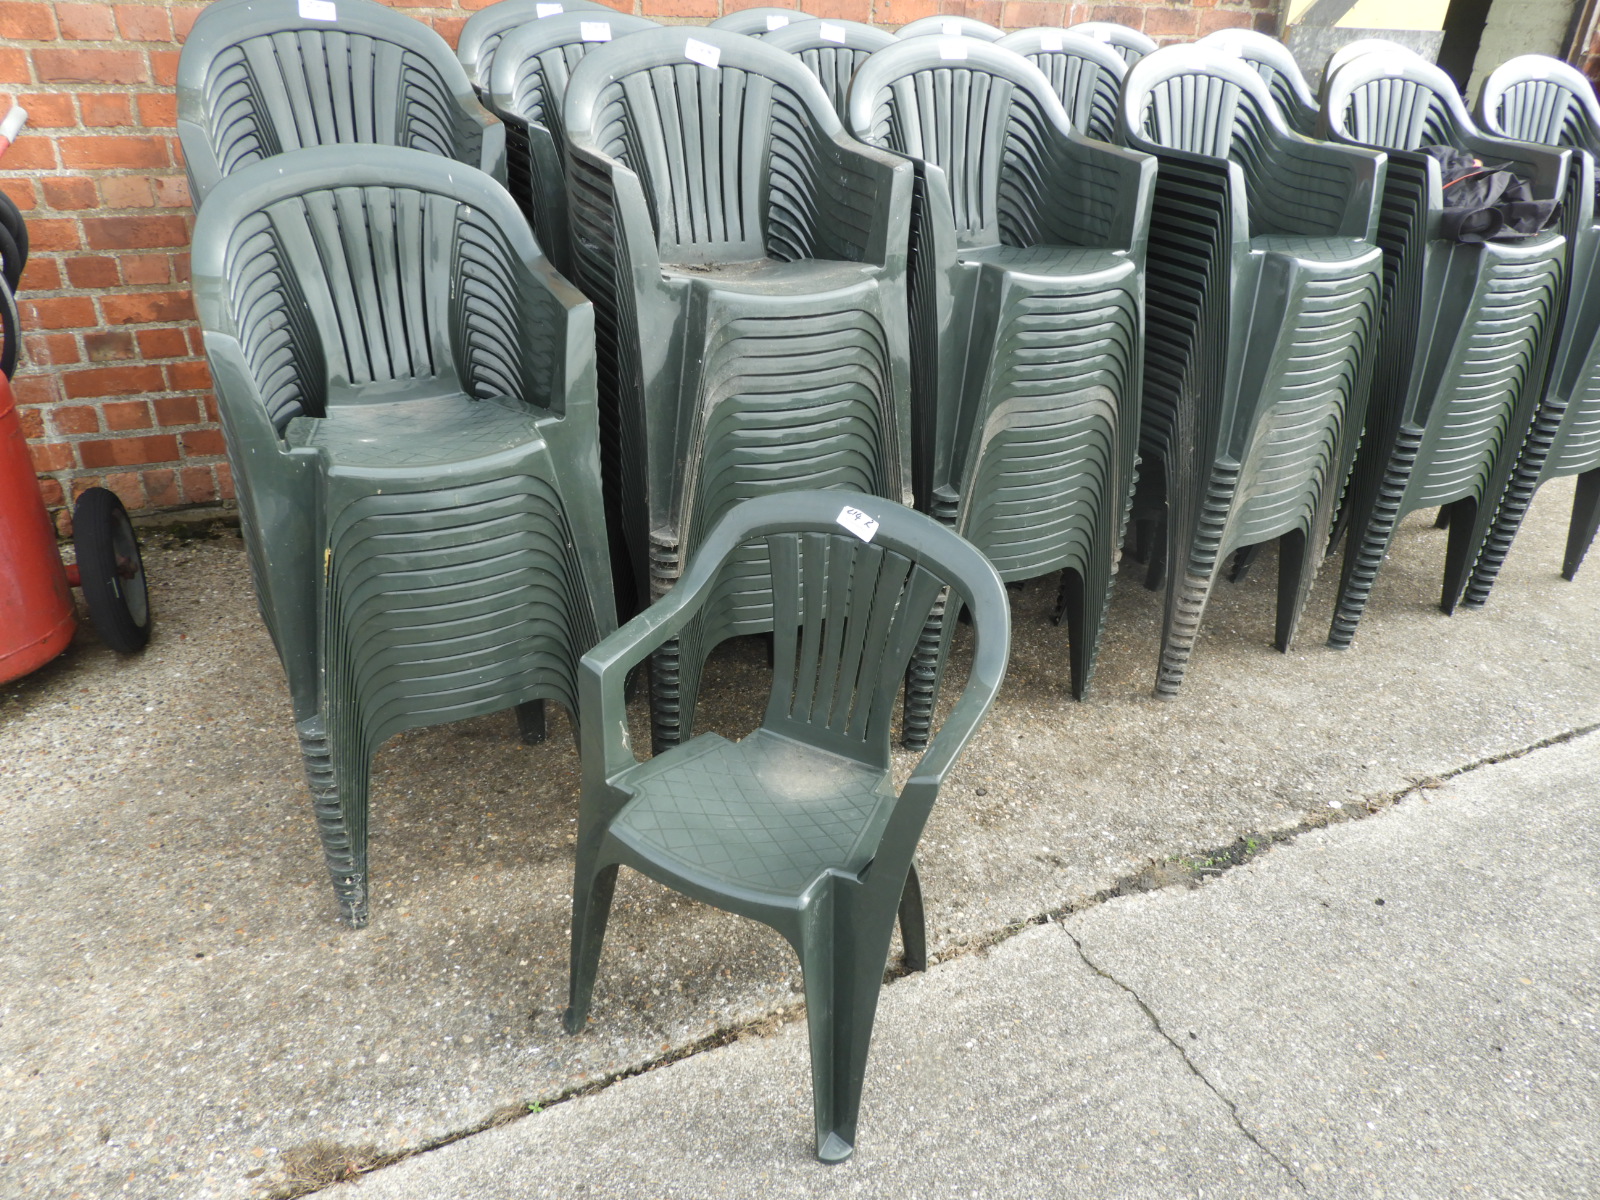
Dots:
(547, 10)
(703, 53)
(1104, 36)
(1232, 49)
(594, 31)
(858, 523)
(830, 32)
(1049, 41)
(776, 21)
(318, 10)
(952, 48)
(950, 28)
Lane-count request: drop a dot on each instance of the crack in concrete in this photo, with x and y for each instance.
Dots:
(1155, 1023)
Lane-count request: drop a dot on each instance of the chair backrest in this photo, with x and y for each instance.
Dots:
(831, 50)
(256, 79)
(1193, 99)
(1535, 98)
(1351, 51)
(759, 22)
(535, 61)
(1086, 75)
(485, 29)
(1396, 102)
(950, 27)
(1274, 62)
(1129, 43)
(978, 114)
(722, 132)
(340, 270)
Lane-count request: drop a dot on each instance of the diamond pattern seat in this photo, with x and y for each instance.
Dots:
(408, 396)
(485, 29)
(1533, 98)
(798, 825)
(258, 78)
(1466, 328)
(747, 263)
(1085, 74)
(1026, 301)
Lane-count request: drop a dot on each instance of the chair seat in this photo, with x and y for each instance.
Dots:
(439, 431)
(767, 813)
(768, 276)
(1050, 261)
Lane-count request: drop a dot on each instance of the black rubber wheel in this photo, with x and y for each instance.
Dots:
(11, 258)
(12, 222)
(10, 331)
(111, 571)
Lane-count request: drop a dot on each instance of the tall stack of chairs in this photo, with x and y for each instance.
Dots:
(760, 22)
(1130, 44)
(832, 51)
(1085, 74)
(1276, 65)
(485, 29)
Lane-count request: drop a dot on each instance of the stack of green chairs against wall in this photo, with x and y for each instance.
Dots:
(1129, 43)
(798, 825)
(1539, 99)
(747, 263)
(1466, 327)
(759, 22)
(488, 27)
(526, 89)
(1027, 314)
(1086, 76)
(256, 78)
(1263, 293)
(950, 27)
(1272, 60)
(832, 51)
(407, 390)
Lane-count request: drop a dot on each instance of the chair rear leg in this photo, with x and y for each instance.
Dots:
(922, 679)
(592, 890)
(913, 925)
(1585, 521)
(1243, 561)
(530, 722)
(1460, 551)
(1372, 529)
(1296, 573)
(1072, 609)
(1442, 521)
(1187, 597)
(339, 778)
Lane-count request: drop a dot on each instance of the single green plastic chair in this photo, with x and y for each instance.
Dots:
(747, 263)
(526, 89)
(1129, 43)
(257, 78)
(832, 51)
(407, 391)
(798, 825)
(1274, 62)
(759, 22)
(1027, 312)
(950, 27)
(1466, 327)
(1263, 297)
(1538, 99)
(488, 27)
(1085, 74)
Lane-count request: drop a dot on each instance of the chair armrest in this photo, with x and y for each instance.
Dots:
(862, 192)
(1544, 167)
(622, 195)
(1096, 195)
(1302, 186)
(492, 153)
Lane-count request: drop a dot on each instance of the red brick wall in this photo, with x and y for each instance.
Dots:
(112, 390)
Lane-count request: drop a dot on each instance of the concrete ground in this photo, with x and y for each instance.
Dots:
(181, 1015)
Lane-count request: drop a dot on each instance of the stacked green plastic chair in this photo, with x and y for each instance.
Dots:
(1263, 293)
(950, 27)
(1086, 76)
(1538, 99)
(759, 22)
(1272, 60)
(1129, 43)
(832, 51)
(798, 825)
(257, 78)
(747, 263)
(488, 27)
(1466, 327)
(407, 391)
(526, 88)
(1026, 319)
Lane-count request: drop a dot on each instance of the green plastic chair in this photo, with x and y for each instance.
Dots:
(950, 27)
(749, 281)
(1026, 319)
(485, 29)
(1085, 74)
(759, 22)
(1129, 43)
(1263, 294)
(1538, 99)
(258, 79)
(832, 51)
(798, 825)
(1466, 328)
(407, 391)
(526, 90)
(1272, 60)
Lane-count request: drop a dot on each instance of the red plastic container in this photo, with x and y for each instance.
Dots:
(36, 613)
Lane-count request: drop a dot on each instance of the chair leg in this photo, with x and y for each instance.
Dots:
(1296, 573)
(1243, 561)
(530, 722)
(339, 780)
(666, 727)
(913, 924)
(591, 908)
(1442, 521)
(1186, 598)
(1072, 610)
(1458, 556)
(1585, 521)
(922, 680)
(1372, 529)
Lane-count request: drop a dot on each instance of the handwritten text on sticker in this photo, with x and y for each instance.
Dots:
(858, 523)
(318, 10)
(703, 53)
(594, 31)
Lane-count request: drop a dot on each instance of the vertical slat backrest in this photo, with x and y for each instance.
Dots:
(1088, 91)
(833, 66)
(1197, 112)
(1397, 114)
(272, 322)
(1540, 110)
